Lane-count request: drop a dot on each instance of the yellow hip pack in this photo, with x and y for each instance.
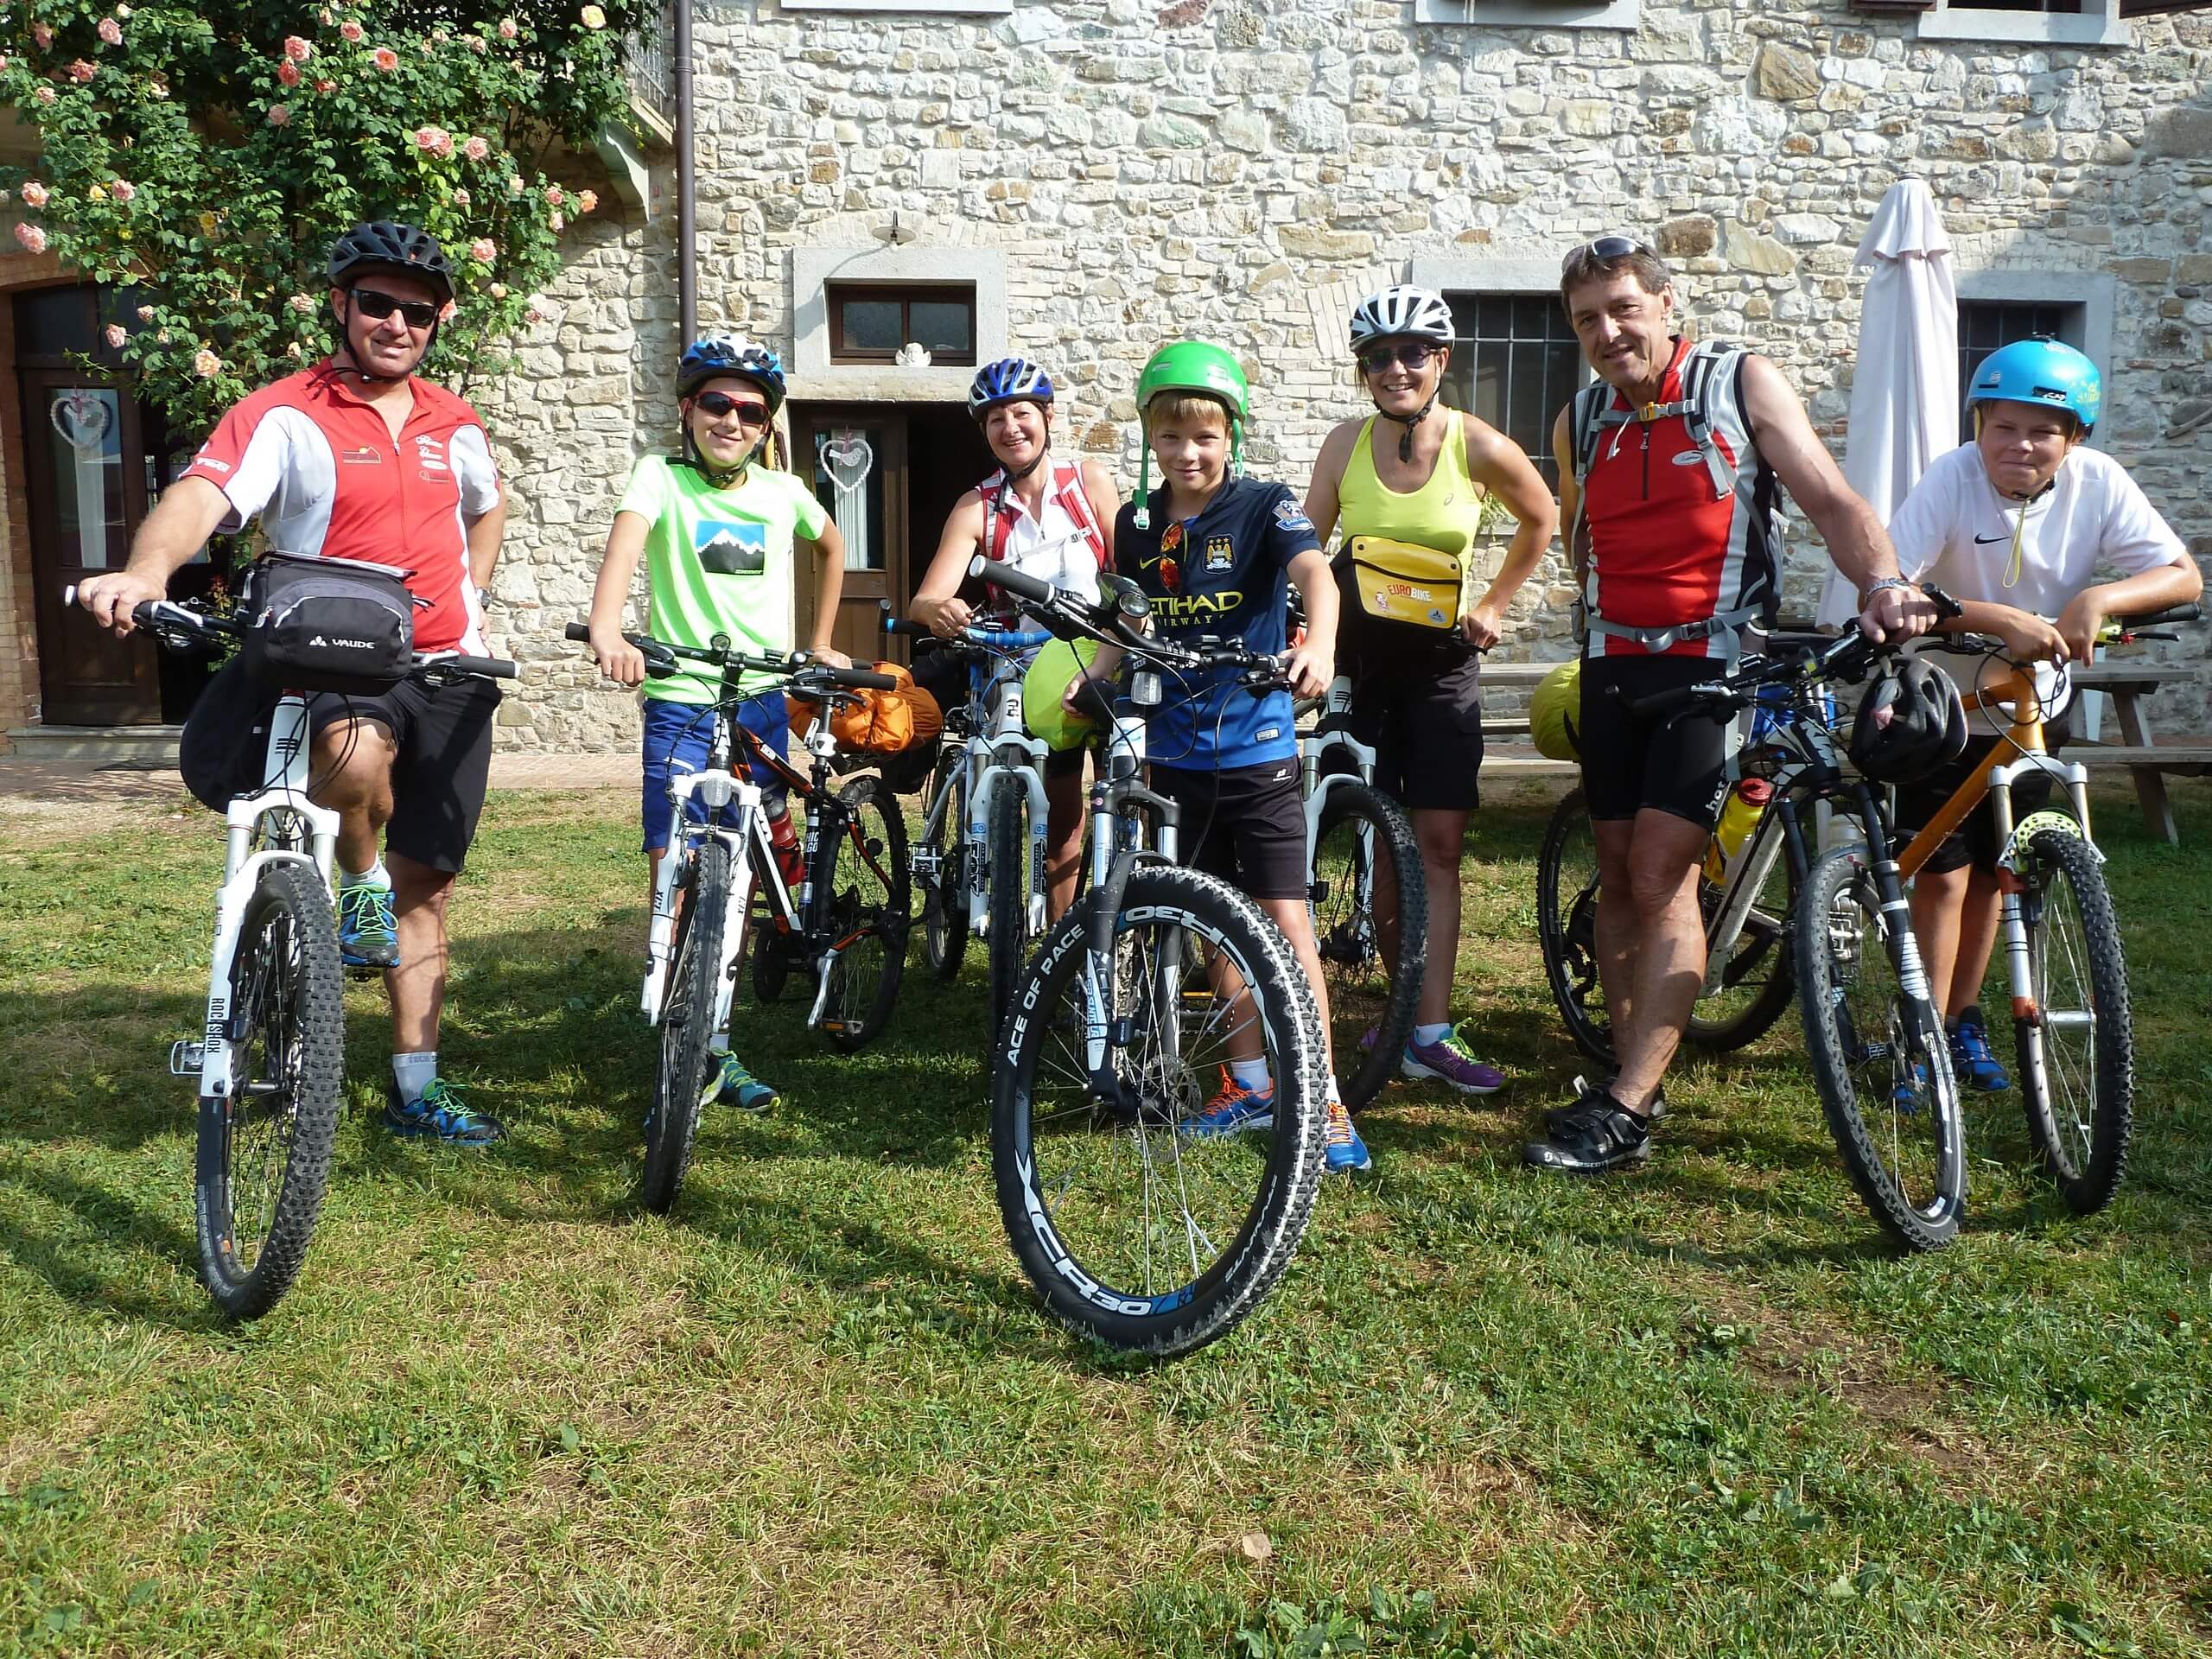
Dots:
(1404, 583)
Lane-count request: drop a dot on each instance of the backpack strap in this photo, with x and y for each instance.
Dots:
(1067, 484)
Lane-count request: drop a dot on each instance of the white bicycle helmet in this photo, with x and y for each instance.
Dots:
(1401, 309)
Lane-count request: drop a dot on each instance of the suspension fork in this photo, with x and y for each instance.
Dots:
(1897, 913)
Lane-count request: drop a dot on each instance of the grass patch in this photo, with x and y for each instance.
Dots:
(1701, 1407)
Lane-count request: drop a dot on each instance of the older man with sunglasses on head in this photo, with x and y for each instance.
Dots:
(1669, 467)
(356, 458)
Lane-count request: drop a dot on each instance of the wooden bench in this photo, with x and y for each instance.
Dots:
(2130, 685)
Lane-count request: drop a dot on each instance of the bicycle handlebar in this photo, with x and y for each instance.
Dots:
(972, 639)
(167, 621)
(823, 676)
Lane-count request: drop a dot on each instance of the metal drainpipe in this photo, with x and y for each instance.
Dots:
(687, 207)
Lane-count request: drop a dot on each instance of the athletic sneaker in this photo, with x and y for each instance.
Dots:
(1448, 1061)
(1346, 1151)
(1971, 1058)
(732, 1083)
(1596, 1134)
(1556, 1116)
(1233, 1108)
(1910, 1095)
(367, 935)
(440, 1114)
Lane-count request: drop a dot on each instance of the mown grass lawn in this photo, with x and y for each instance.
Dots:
(1702, 1409)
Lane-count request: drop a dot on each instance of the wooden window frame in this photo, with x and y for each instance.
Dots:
(836, 295)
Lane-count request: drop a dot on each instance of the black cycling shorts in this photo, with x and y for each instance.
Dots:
(1245, 825)
(1677, 764)
(1423, 716)
(1974, 842)
(444, 737)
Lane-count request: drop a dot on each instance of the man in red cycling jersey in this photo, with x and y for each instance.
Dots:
(355, 458)
(1669, 472)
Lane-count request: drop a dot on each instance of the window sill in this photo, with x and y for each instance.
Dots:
(2026, 28)
(1527, 14)
(956, 8)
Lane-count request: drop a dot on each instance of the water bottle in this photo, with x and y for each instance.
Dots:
(1739, 816)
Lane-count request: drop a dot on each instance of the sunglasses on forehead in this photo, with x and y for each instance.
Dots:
(719, 404)
(377, 305)
(1602, 249)
(1407, 353)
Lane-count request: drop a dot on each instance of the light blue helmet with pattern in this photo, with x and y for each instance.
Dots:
(2039, 372)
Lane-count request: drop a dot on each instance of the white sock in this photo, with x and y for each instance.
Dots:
(1250, 1074)
(1336, 1095)
(1425, 1035)
(414, 1073)
(375, 876)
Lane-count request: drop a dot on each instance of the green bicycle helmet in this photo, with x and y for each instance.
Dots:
(1192, 365)
(1044, 685)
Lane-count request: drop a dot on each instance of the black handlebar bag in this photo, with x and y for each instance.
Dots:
(327, 625)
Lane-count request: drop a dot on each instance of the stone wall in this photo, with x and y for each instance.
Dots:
(1243, 171)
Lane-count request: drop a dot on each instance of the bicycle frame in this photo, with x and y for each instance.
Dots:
(992, 766)
(2026, 736)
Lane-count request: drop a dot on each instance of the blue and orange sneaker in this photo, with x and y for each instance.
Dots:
(1346, 1153)
(440, 1115)
(1971, 1058)
(367, 931)
(1233, 1108)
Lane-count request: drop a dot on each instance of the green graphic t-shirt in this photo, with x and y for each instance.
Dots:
(719, 561)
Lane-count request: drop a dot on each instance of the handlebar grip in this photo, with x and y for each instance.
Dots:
(2172, 613)
(860, 679)
(488, 668)
(904, 630)
(1006, 577)
(577, 632)
(68, 595)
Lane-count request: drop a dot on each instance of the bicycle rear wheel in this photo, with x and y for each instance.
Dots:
(1759, 978)
(1882, 1062)
(686, 1074)
(264, 1156)
(945, 895)
(2076, 1044)
(870, 907)
(1009, 931)
(1132, 1230)
(1567, 926)
(1370, 905)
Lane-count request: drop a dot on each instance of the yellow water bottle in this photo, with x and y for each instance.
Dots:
(1739, 816)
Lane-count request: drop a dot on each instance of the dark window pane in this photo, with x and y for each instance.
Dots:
(53, 322)
(2069, 7)
(1985, 324)
(872, 325)
(941, 324)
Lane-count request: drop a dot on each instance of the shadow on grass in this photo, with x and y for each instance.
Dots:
(87, 1257)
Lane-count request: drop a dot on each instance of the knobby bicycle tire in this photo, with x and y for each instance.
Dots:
(1007, 934)
(2074, 935)
(1045, 1130)
(1567, 915)
(1370, 987)
(687, 1028)
(1901, 1133)
(287, 1028)
(944, 898)
(870, 903)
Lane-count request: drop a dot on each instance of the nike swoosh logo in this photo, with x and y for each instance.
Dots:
(1984, 541)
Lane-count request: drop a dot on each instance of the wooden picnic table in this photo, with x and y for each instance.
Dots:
(2130, 685)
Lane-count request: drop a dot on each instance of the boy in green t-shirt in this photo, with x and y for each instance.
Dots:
(719, 535)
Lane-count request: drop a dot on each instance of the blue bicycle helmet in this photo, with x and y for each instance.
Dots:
(2039, 372)
(718, 354)
(1009, 380)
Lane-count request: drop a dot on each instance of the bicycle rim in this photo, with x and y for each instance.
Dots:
(687, 1031)
(2075, 1037)
(1369, 909)
(1884, 1069)
(1567, 926)
(868, 907)
(945, 896)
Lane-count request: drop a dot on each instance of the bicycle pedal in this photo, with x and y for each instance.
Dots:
(186, 1056)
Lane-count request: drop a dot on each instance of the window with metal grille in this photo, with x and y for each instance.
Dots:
(870, 322)
(1514, 363)
(1985, 324)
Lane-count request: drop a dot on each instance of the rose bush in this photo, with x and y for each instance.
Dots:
(188, 164)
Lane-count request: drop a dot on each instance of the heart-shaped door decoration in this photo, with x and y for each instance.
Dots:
(82, 416)
(847, 458)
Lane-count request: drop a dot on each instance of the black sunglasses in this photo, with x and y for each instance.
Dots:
(376, 306)
(1605, 248)
(719, 404)
(1409, 353)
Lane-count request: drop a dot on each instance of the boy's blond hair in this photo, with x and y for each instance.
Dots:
(1183, 406)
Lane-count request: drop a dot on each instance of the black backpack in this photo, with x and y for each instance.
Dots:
(327, 625)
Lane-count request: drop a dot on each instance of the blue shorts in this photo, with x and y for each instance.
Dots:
(680, 731)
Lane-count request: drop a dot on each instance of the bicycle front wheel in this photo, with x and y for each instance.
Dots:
(2077, 1042)
(1133, 1229)
(945, 895)
(1370, 904)
(1009, 930)
(1567, 926)
(1881, 1059)
(870, 905)
(263, 1154)
(688, 1075)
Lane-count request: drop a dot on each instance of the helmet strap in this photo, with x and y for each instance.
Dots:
(1406, 438)
(697, 462)
(353, 364)
(1144, 488)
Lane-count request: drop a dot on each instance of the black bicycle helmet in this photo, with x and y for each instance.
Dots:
(1911, 721)
(382, 244)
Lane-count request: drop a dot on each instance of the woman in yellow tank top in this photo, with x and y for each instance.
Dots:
(1416, 470)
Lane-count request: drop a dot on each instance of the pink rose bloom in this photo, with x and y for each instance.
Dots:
(80, 71)
(384, 59)
(303, 303)
(110, 31)
(292, 350)
(123, 189)
(533, 316)
(145, 314)
(557, 223)
(205, 364)
(114, 335)
(32, 238)
(552, 195)
(325, 86)
(45, 94)
(476, 149)
(593, 17)
(498, 290)
(446, 311)
(34, 193)
(476, 43)
(3, 62)
(481, 251)
(287, 73)
(280, 115)
(514, 187)
(351, 31)
(297, 49)
(507, 29)
(586, 201)
(42, 34)
(460, 198)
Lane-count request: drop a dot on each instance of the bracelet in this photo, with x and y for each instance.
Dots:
(1867, 598)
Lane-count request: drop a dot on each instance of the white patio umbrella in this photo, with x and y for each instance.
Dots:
(1905, 390)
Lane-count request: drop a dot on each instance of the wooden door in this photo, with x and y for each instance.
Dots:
(854, 457)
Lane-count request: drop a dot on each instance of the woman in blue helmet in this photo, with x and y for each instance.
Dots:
(2016, 524)
(719, 527)
(1051, 519)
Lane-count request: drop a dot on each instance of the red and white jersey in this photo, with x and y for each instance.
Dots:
(321, 468)
(1677, 536)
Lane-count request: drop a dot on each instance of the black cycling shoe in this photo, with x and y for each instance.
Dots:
(1555, 1118)
(1594, 1135)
